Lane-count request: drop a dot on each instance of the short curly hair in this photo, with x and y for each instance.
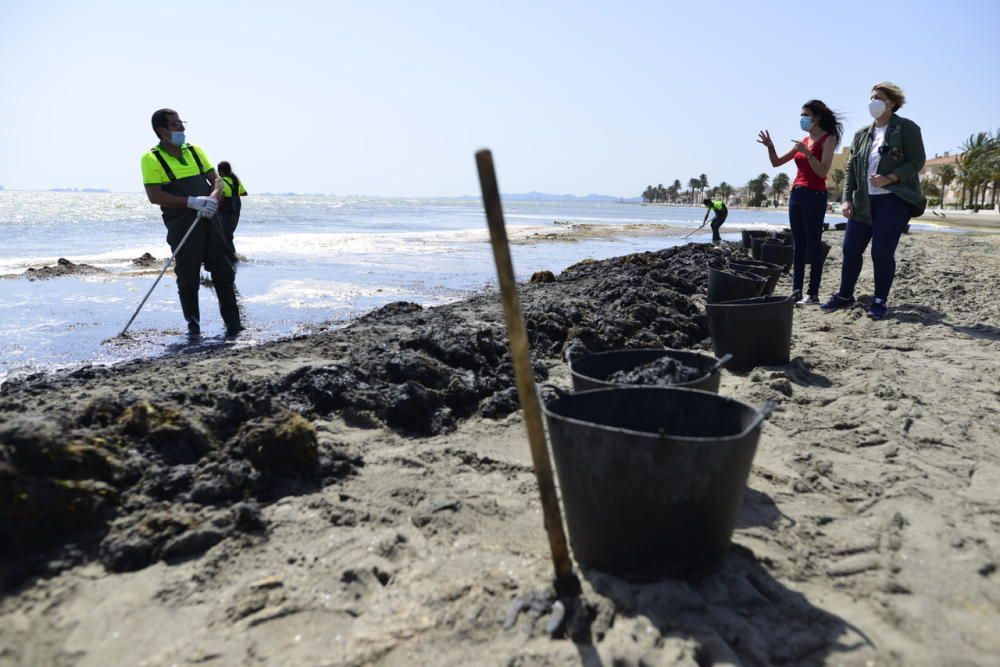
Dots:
(893, 92)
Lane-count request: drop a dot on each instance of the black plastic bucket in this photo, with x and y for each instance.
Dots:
(755, 244)
(776, 252)
(826, 252)
(729, 286)
(757, 332)
(651, 478)
(590, 370)
(770, 272)
(749, 234)
(840, 226)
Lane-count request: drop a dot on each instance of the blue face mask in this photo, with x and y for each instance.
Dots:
(177, 138)
(806, 123)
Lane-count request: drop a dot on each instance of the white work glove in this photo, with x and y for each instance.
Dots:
(207, 206)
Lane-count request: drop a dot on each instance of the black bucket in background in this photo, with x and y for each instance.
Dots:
(826, 252)
(590, 370)
(757, 332)
(840, 226)
(729, 286)
(749, 234)
(651, 478)
(770, 272)
(776, 252)
(755, 244)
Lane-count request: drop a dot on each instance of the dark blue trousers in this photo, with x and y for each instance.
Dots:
(806, 210)
(889, 216)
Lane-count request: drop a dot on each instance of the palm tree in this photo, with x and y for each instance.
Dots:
(778, 186)
(725, 191)
(677, 188)
(756, 189)
(838, 176)
(930, 189)
(972, 166)
(703, 183)
(946, 176)
(647, 194)
(994, 166)
(693, 184)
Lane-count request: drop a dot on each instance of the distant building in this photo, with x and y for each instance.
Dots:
(839, 162)
(929, 173)
(840, 159)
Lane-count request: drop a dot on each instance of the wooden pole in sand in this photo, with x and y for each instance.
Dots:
(520, 353)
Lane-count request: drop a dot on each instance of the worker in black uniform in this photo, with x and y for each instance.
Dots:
(180, 178)
(229, 211)
(719, 212)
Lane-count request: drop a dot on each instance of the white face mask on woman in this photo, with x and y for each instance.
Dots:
(876, 108)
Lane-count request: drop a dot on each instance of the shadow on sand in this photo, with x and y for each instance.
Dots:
(916, 313)
(759, 510)
(738, 615)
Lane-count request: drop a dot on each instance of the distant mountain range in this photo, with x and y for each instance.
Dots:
(545, 196)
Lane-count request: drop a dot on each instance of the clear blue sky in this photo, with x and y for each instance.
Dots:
(393, 97)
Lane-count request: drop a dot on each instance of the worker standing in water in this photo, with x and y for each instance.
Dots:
(229, 210)
(718, 207)
(179, 177)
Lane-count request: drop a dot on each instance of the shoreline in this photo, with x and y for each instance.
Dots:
(396, 524)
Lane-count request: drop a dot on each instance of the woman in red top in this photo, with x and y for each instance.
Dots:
(807, 203)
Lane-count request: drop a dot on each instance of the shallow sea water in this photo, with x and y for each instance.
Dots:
(313, 263)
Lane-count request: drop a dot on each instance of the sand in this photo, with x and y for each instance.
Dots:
(869, 534)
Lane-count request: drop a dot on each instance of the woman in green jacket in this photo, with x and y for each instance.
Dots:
(881, 194)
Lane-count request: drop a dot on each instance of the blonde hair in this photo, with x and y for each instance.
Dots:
(893, 92)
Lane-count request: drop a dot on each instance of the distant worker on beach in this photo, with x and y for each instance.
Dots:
(179, 177)
(881, 194)
(229, 210)
(718, 207)
(807, 202)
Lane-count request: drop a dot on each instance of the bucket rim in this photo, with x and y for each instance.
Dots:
(760, 414)
(752, 301)
(738, 274)
(666, 351)
(757, 264)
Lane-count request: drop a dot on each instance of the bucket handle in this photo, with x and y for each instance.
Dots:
(764, 413)
(558, 391)
(576, 349)
(720, 363)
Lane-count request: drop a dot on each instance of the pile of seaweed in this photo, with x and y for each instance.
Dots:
(160, 460)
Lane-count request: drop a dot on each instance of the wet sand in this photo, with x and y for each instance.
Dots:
(365, 496)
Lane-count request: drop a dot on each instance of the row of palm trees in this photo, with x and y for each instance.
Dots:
(977, 170)
(695, 193)
(758, 190)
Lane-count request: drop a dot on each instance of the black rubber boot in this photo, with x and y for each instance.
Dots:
(192, 315)
(228, 307)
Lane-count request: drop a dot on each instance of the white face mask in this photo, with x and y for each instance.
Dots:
(876, 108)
